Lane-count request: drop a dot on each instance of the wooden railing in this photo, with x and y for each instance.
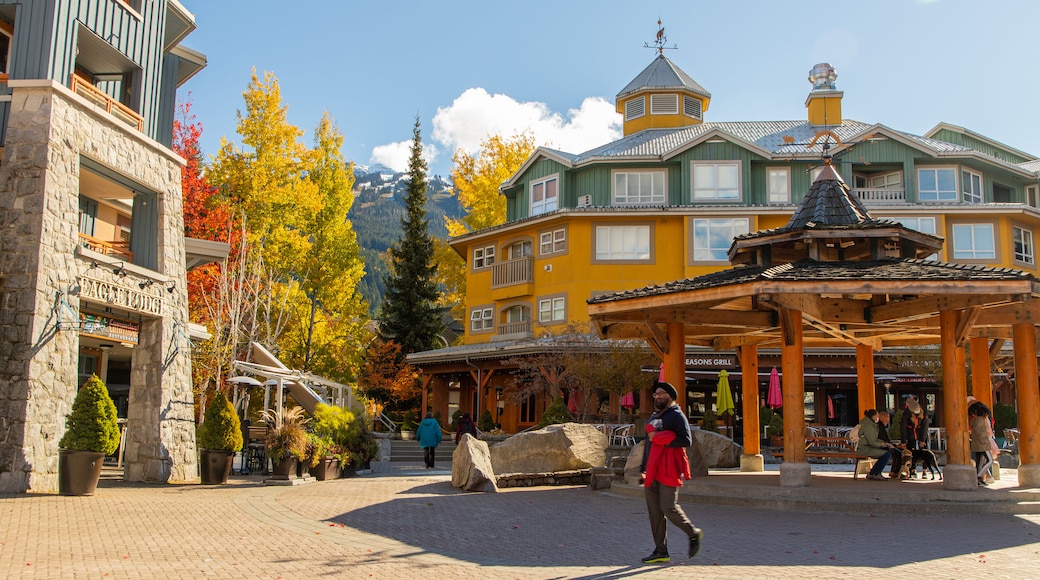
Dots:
(118, 110)
(510, 272)
(515, 327)
(882, 195)
(119, 249)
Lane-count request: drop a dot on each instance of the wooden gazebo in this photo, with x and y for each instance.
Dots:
(833, 277)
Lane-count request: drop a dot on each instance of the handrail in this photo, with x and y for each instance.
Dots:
(382, 418)
(120, 249)
(83, 88)
(510, 272)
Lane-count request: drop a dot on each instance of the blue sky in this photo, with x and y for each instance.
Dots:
(470, 68)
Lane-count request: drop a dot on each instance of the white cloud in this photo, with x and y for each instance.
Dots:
(396, 155)
(476, 114)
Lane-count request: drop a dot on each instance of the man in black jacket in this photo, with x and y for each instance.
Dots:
(664, 467)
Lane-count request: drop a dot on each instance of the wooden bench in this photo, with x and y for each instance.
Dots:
(836, 448)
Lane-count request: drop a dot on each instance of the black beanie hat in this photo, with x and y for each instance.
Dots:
(668, 388)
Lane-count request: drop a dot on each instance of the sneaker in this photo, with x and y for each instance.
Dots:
(656, 558)
(695, 541)
(873, 477)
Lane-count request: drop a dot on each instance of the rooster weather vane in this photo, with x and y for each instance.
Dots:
(661, 41)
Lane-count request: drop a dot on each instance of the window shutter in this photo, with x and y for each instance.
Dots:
(692, 107)
(635, 108)
(664, 104)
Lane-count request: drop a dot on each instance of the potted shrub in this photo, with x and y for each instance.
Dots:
(220, 437)
(92, 432)
(334, 429)
(775, 431)
(710, 422)
(286, 444)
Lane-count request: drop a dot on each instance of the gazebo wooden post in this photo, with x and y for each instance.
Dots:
(866, 395)
(751, 459)
(981, 381)
(426, 380)
(1024, 335)
(794, 471)
(958, 474)
(440, 400)
(675, 362)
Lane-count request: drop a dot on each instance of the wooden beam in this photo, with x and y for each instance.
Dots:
(964, 325)
(694, 316)
(928, 306)
(659, 338)
(829, 309)
(998, 343)
(873, 342)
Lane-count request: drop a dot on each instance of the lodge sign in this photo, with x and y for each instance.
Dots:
(121, 296)
(711, 362)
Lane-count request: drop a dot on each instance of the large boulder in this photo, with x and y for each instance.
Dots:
(563, 447)
(471, 466)
(719, 450)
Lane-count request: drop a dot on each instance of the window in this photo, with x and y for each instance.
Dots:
(971, 187)
(1033, 195)
(973, 242)
(691, 107)
(6, 35)
(637, 187)
(552, 242)
(937, 184)
(87, 215)
(520, 249)
(1023, 242)
(528, 410)
(544, 196)
(635, 108)
(551, 310)
(885, 181)
(713, 237)
(481, 319)
(483, 257)
(664, 104)
(718, 181)
(925, 225)
(623, 242)
(778, 185)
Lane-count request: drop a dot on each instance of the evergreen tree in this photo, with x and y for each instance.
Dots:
(410, 316)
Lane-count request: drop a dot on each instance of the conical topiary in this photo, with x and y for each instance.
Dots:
(221, 429)
(93, 424)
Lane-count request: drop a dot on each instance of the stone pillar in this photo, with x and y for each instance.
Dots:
(958, 474)
(751, 459)
(1028, 405)
(981, 380)
(675, 361)
(866, 395)
(794, 471)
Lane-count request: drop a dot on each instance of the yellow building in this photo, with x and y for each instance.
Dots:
(665, 202)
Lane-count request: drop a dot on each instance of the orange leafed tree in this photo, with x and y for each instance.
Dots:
(386, 377)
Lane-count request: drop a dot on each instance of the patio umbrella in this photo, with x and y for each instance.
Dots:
(830, 407)
(572, 402)
(724, 397)
(660, 375)
(774, 400)
(628, 400)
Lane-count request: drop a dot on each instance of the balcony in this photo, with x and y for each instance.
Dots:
(514, 331)
(512, 278)
(113, 107)
(880, 195)
(117, 249)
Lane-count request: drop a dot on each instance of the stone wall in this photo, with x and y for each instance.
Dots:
(49, 130)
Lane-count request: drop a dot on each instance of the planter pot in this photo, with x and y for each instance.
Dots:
(348, 471)
(79, 471)
(303, 468)
(407, 435)
(215, 466)
(285, 469)
(776, 441)
(328, 468)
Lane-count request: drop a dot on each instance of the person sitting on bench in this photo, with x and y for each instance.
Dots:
(872, 446)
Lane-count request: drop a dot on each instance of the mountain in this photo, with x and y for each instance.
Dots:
(376, 216)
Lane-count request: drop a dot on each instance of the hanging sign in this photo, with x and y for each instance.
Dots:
(122, 296)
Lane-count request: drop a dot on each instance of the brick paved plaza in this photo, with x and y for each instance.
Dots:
(408, 522)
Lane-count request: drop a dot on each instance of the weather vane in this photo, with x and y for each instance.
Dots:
(661, 41)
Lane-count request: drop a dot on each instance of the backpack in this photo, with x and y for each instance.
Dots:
(854, 435)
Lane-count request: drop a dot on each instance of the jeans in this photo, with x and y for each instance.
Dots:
(882, 461)
(428, 455)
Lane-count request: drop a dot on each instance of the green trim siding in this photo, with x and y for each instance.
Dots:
(520, 205)
(717, 152)
(979, 145)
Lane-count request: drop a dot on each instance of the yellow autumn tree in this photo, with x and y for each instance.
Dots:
(477, 179)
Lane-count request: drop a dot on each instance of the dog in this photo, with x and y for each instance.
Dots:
(904, 465)
(927, 460)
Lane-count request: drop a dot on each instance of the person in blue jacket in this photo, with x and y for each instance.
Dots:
(429, 434)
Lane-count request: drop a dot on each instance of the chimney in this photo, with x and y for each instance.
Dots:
(824, 101)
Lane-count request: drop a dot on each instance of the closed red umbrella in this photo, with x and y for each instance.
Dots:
(660, 375)
(572, 402)
(830, 407)
(628, 400)
(774, 399)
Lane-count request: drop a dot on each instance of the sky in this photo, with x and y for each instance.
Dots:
(469, 69)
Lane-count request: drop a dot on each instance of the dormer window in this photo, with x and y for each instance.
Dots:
(664, 104)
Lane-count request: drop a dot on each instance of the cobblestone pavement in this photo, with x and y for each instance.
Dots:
(412, 522)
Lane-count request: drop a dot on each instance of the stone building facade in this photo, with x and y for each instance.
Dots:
(47, 275)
